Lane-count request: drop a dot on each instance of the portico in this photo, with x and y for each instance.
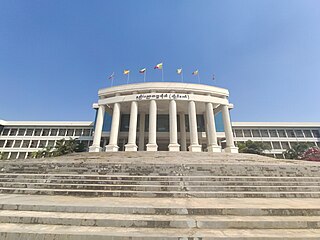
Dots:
(181, 114)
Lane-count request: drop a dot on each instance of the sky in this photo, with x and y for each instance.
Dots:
(56, 54)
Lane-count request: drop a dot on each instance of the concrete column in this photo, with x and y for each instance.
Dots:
(113, 141)
(194, 143)
(152, 144)
(173, 146)
(131, 145)
(228, 131)
(141, 131)
(183, 134)
(211, 129)
(98, 130)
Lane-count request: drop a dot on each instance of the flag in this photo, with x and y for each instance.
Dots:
(158, 66)
(126, 72)
(179, 71)
(111, 76)
(143, 70)
(196, 72)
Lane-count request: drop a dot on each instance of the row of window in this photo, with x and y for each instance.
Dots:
(286, 145)
(32, 143)
(282, 133)
(46, 132)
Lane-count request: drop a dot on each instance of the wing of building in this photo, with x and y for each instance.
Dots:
(157, 117)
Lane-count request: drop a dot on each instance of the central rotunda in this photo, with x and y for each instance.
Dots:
(161, 116)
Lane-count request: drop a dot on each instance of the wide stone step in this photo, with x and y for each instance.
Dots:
(168, 182)
(164, 206)
(10, 231)
(163, 188)
(152, 194)
(160, 178)
(160, 221)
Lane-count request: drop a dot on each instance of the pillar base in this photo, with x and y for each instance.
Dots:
(130, 147)
(194, 148)
(112, 148)
(174, 147)
(95, 149)
(231, 150)
(214, 148)
(151, 147)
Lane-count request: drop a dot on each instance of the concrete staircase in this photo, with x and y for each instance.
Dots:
(159, 196)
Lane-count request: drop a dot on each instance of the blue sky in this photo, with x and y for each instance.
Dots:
(55, 55)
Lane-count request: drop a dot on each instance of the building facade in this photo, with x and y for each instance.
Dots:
(158, 108)
(157, 117)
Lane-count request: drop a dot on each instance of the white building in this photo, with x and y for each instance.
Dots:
(157, 117)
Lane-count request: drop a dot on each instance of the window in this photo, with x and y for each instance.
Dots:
(17, 143)
(13, 155)
(256, 133)
(5, 132)
(22, 155)
(54, 132)
(299, 133)
(282, 133)
(37, 132)
(307, 133)
(70, 132)
(264, 133)
(34, 144)
(124, 123)
(50, 143)
(2, 143)
(13, 132)
(290, 133)
(86, 132)
(238, 133)
(200, 123)
(316, 133)
(78, 132)
(276, 145)
(29, 132)
(9, 143)
(25, 143)
(21, 132)
(285, 145)
(42, 143)
(247, 133)
(62, 132)
(45, 132)
(267, 144)
(163, 123)
(273, 133)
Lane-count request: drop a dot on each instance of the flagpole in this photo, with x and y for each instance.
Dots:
(144, 76)
(182, 76)
(128, 78)
(198, 77)
(162, 73)
(111, 81)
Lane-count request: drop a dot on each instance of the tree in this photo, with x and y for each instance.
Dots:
(296, 151)
(62, 147)
(253, 147)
